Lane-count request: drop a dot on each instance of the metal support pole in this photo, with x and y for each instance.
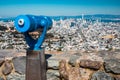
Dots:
(35, 65)
(35, 58)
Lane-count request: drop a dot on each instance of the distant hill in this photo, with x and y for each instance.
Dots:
(89, 17)
(7, 19)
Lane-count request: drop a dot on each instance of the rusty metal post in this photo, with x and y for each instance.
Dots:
(35, 65)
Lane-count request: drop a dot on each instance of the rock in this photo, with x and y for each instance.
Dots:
(63, 70)
(1, 61)
(15, 77)
(7, 68)
(1, 78)
(112, 65)
(53, 75)
(73, 60)
(53, 64)
(67, 72)
(117, 77)
(90, 64)
(85, 73)
(20, 64)
(74, 73)
(101, 76)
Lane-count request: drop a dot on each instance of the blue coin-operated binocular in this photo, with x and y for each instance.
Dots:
(30, 23)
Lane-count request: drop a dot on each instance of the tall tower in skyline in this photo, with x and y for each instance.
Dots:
(82, 16)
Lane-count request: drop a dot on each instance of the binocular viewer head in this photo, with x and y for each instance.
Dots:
(30, 23)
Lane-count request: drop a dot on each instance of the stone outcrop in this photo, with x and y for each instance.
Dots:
(53, 64)
(73, 60)
(19, 64)
(112, 65)
(90, 64)
(67, 72)
(1, 78)
(7, 68)
(100, 75)
(1, 61)
(53, 75)
(15, 76)
(64, 66)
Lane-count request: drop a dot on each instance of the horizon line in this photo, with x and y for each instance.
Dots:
(61, 15)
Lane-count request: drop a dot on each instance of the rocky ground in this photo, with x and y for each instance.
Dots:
(71, 65)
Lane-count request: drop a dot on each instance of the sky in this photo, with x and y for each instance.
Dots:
(58, 7)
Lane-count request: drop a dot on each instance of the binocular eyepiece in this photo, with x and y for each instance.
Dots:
(30, 23)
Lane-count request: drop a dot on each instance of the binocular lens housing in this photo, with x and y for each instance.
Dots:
(30, 23)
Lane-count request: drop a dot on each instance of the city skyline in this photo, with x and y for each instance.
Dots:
(58, 7)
